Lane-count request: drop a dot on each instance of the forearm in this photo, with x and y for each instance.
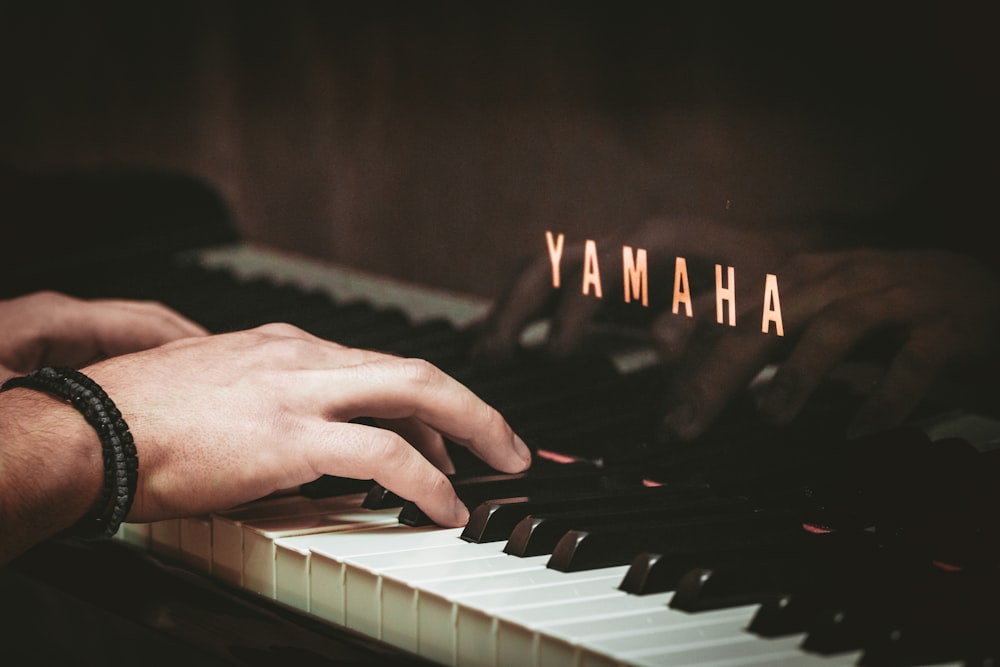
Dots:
(51, 468)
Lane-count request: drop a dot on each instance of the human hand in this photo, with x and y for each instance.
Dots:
(48, 328)
(943, 308)
(226, 419)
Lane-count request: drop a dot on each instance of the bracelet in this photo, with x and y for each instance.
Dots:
(121, 461)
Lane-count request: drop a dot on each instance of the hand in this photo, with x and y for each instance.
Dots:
(226, 419)
(48, 328)
(943, 308)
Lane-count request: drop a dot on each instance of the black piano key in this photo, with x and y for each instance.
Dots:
(538, 535)
(331, 485)
(617, 436)
(859, 605)
(378, 497)
(494, 520)
(960, 630)
(554, 482)
(858, 570)
(785, 614)
(591, 549)
(751, 574)
(949, 607)
(535, 372)
(501, 484)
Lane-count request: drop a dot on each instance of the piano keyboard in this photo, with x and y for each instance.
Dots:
(590, 559)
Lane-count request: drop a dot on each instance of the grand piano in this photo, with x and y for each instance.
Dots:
(752, 544)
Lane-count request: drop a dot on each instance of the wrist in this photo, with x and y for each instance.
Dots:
(51, 467)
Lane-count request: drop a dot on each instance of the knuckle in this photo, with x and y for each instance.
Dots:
(51, 297)
(279, 329)
(383, 448)
(490, 420)
(418, 373)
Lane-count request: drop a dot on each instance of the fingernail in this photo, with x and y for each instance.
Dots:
(522, 450)
(460, 513)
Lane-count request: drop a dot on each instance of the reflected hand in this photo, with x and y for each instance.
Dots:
(700, 241)
(944, 308)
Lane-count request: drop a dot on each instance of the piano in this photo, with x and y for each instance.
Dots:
(753, 545)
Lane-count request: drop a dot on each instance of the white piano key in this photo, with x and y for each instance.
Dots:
(259, 552)
(196, 543)
(559, 642)
(730, 648)
(517, 626)
(363, 582)
(324, 554)
(393, 583)
(715, 638)
(165, 538)
(475, 633)
(291, 573)
(227, 527)
(437, 602)
(135, 534)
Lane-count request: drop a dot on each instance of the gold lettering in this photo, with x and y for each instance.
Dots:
(772, 306)
(634, 275)
(591, 272)
(555, 255)
(682, 290)
(727, 294)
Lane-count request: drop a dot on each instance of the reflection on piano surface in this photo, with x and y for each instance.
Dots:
(751, 545)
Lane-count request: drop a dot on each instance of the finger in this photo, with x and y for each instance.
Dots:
(170, 319)
(706, 382)
(527, 298)
(425, 439)
(699, 394)
(672, 332)
(671, 335)
(397, 388)
(910, 376)
(119, 327)
(571, 322)
(812, 283)
(582, 297)
(826, 341)
(829, 338)
(363, 452)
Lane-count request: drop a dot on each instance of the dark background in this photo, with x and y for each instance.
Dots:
(437, 141)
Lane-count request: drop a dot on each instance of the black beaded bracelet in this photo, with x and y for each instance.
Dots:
(121, 462)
